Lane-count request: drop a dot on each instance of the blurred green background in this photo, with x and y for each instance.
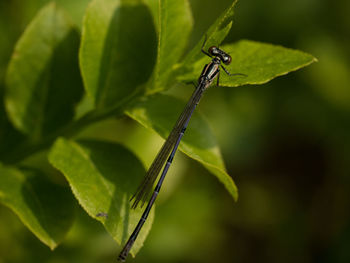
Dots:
(286, 144)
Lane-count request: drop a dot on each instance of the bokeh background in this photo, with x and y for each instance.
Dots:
(286, 144)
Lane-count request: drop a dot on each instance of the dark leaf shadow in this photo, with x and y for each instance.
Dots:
(51, 204)
(122, 169)
(129, 54)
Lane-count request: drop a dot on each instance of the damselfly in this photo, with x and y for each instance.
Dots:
(208, 75)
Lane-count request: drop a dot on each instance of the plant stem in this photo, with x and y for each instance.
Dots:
(30, 147)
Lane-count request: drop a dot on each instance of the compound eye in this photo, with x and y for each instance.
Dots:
(213, 51)
(227, 59)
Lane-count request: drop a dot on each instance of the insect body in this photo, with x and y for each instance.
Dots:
(168, 150)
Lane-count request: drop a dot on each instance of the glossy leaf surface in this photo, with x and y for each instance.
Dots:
(103, 177)
(118, 50)
(260, 62)
(159, 113)
(43, 74)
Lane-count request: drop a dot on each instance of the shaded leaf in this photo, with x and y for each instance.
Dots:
(198, 142)
(259, 61)
(174, 24)
(43, 74)
(117, 51)
(45, 208)
(9, 136)
(103, 177)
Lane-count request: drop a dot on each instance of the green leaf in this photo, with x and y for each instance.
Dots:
(45, 208)
(198, 142)
(118, 50)
(174, 24)
(103, 177)
(9, 136)
(213, 37)
(259, 61)
(43, 74)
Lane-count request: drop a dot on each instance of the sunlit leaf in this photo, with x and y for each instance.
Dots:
(118, 50)
(45, 208)
(103, 177)
(174, 24)
(260, 63)
(160, 112)
(43, 74)
(214, 36)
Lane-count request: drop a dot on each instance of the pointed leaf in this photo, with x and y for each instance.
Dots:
(103, 177)
(259, 61)
(43, 74)
(117, 51)
(198, 142)
(213, 37)
(45, 208)
(174, 24)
